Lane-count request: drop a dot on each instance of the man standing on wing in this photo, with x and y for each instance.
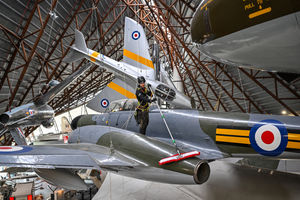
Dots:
(143, 96)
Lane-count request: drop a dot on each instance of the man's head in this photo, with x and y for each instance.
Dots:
(141, 80)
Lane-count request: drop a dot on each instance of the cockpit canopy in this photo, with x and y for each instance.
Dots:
(123, 105)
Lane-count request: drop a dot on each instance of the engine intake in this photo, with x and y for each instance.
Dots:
(48, 123)
(165, 93)
(4, 118)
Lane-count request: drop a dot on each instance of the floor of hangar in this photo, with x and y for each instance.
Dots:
(226, 182)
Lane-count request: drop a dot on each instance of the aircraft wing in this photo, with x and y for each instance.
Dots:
(43, 99)
(72, 156)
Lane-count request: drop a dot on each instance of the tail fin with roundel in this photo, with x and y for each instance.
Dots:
(115, 90)
(136, 48)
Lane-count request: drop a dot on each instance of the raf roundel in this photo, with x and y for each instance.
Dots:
(14, 149)
(269, 137)
(104, 103)
(135, 35)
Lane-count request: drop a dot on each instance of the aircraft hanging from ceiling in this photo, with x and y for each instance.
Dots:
(260, 34)
(109, 141)
(36, 113)
(136, 63)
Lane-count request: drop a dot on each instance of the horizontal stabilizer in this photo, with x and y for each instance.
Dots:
(73, 55)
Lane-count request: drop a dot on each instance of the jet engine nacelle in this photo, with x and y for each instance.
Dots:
(202, 172)
(170, 95)
(17, 114)
(146, 153)
(28, 114)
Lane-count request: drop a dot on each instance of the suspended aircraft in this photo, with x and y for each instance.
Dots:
(109, 141)
(255, 34)
(36, 113)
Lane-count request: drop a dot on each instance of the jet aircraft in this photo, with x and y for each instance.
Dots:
(109, 141)
(36, 113)
(255, 34)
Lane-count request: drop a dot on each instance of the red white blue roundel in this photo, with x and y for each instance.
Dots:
(269, 137)
(14, 149)
(135, 35)
(104, 103)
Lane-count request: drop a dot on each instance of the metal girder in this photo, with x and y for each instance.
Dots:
(10, 62)
(269, 92)
(30, 55)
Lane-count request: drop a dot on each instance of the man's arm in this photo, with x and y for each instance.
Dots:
(141, 97)
(149, 93)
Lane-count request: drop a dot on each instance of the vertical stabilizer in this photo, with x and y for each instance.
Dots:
(80, 41)
(115, 90)
(136, 47)
(78, 50)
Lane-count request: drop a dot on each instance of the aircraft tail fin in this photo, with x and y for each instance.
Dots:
(136, 48)
(78, 50)
(80, 41)
(115, 90)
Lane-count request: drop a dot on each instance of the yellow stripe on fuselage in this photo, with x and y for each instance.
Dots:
(232, 132)
(293, 145)
(94, 55)
(293, 136)
(138, 58)
(229, 136)
(121, 90)
(232, 139)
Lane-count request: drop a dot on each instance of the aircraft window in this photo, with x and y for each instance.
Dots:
(123, 105)
(117, 105)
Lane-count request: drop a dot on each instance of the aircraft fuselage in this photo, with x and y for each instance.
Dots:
(220, 134)
(255, 34)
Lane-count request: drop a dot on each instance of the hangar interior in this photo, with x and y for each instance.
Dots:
(36, 35)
